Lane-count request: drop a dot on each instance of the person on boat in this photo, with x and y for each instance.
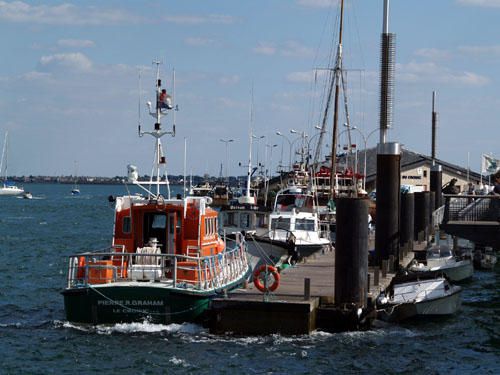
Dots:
(165, 100)
(293, 254)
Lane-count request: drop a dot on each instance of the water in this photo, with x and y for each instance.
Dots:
(36, 235)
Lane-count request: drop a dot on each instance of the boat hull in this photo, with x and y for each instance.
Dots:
(10, 191)
(462, 271)
(448, 305)
(122, 304)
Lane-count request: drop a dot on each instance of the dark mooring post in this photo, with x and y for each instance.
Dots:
(388, 195)
(422, 209)
(407, 222)
(436, 176)
(351, 252)
(436, 185)
(388, 154)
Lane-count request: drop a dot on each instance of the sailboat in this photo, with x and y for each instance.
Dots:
(75, 190)
(166, 261)
(7, 187)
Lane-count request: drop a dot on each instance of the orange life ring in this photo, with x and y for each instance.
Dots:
(80, 272)
(266, 268)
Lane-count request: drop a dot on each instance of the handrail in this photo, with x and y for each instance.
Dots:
(471, 208)
(178, 271)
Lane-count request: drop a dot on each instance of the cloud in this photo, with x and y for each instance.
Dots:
(198, 41)
(288, 49)
(317, 3)
(65, 61)
(433, 53)
(300, 77)
(480, 3)
(197, 20)
(264, 48)
(63, 14)
(306, 77)
(229, 80)
(295, 49)
(414, 72)
(75, 43)
(480, 51)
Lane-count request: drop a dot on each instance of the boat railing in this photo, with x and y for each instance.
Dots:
(179, 271)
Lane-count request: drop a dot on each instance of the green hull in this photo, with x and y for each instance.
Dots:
(123, 304)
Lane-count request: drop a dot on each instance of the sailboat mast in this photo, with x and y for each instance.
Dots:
(3, 156)
(338, 73)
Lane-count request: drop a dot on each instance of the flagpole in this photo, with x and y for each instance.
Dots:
(468, 166)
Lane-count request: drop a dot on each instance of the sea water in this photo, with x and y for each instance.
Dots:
(36, 235)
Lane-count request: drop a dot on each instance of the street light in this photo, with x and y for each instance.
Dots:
(227, 141)
(266, 178)
(290, 143)
(365, 141)
(257, 141)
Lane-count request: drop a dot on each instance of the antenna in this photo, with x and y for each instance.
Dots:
(139, 104)
(173, 100)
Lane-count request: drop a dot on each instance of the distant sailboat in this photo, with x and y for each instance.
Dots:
(6, 187)
(76, 189)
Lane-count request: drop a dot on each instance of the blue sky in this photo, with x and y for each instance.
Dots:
(69, 87)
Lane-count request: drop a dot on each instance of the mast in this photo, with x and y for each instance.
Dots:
(338, 73)
(159, 161)
(4, 157)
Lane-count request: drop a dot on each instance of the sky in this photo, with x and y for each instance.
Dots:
(70, 87)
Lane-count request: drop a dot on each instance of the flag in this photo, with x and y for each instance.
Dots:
(489, 165)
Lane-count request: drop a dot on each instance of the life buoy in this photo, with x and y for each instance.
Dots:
(80, 272)
(266, 268)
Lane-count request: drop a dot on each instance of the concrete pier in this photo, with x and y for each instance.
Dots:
(249, 312)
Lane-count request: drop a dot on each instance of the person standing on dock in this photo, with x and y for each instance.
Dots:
(495, 201)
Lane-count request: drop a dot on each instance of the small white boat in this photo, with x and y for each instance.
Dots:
(485, 260)
(27, 195)
(416, 295)
(441, 258)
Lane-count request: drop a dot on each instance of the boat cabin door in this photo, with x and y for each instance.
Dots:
(171, 232)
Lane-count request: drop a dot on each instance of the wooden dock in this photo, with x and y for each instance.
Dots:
(293, 308)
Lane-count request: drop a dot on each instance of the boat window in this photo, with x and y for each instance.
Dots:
(159, 222)
(280, 223)
(304, 224)
(126, 224)
(229, 219)
(244, 220)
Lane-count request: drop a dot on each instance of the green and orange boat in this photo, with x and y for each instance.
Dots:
(166, 261)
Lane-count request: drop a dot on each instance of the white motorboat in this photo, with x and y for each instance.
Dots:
(441, 258)
(27, 195)
(7, 187)
(294, 230)
(418, 295)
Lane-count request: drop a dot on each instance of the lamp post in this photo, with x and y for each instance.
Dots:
(365, 142)
(303, 137)
(227, 141)
(290, 143)
(257, 138)
(270, 169)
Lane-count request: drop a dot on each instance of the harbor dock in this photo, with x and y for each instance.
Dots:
(300, 305)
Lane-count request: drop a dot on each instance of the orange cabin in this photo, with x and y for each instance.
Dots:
(177, 230)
